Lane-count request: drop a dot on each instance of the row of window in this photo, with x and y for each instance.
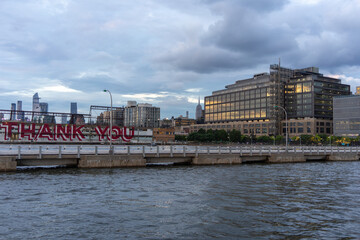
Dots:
(235, 115)
(238, 96)
(241, 105)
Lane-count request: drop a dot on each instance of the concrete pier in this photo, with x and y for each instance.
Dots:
(343, 157)
(111, 161)
(286, 158)
(216, 159)
(7, 164)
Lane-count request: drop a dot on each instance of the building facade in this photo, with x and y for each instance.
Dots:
(20, 113)
(347, 116)
(198, 113)
(36, 103)
(73, 108)
(249, 105)
(13, 112)
(142, 115)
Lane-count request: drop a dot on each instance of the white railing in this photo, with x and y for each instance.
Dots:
(169, 150)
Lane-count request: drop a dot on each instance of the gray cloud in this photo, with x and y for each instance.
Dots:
(136, 47)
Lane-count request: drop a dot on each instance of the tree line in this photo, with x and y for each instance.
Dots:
(235, 136)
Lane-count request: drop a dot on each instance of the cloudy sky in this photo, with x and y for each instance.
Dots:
(164, 52)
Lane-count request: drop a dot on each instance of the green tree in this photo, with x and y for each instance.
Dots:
(181, 138)
(264, 139)
(235, 136)
(279, 139)
(221, 135)
(193, 136)
(306, 139)
(201, 131)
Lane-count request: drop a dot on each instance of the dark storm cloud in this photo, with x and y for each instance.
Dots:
(240, 39)
(250, 33)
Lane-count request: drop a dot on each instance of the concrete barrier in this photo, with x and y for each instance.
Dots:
(286, 158)
(109, 161)
(216, 159)
(7, 164)
(343, 157)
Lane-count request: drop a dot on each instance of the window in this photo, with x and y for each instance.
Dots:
(307, 87)
(298, 88)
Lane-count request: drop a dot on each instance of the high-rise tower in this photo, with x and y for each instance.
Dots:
(198, 113)
(36, 103)
(73, 108)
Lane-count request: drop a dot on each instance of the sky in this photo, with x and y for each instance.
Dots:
(166, 53)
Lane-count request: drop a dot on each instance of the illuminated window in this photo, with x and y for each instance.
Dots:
(263, 112)
(228, 116)
(247, 114)
(307, 87)
(298, 88)
(252, 113)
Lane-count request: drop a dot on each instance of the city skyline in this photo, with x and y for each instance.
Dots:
(166, 53)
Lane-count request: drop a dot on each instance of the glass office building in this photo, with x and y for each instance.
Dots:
(347, 116)
(310, 94)
(304, 93)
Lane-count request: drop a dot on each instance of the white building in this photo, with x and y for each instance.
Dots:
(142, 115)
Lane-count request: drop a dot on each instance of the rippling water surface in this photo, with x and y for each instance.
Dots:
(294, 201)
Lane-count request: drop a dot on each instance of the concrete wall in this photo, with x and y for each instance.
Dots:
(215, 159)
(47, 162)
(286, 158)
(108, 161)
(343, 157)
(7, 164)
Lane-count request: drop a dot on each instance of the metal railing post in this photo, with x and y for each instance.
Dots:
(171, 151)
(157, 151)
(96, 150)
(184, 152)
(59, 151)
(143, 151)
(40, 153)
(251, 151)
(19, 152)
(208, 150)
(219, 149)
(78, 151)
(196, 151)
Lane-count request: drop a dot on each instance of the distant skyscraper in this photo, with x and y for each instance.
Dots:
(44, 107)
(13, 110)
(73, 108)
(20, 113)
(36, 103)
(357, 91)
(198, 114)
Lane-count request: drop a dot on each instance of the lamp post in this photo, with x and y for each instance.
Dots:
(286, 123)
(110, 131)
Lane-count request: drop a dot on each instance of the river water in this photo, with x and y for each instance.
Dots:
(254, 201)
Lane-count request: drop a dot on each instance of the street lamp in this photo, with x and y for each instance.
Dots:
(286, 123)
(111, 109)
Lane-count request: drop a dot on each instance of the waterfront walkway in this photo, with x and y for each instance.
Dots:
(140, 155)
